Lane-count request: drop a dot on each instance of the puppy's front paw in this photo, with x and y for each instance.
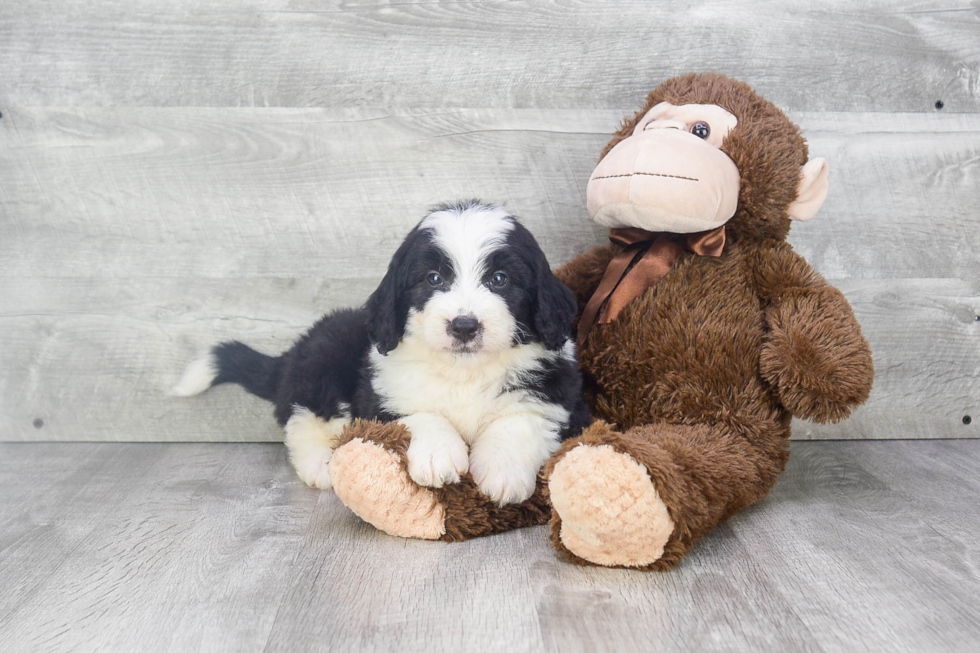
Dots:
(314, 468)
(434, 462)
(502, 478)
(436, 455)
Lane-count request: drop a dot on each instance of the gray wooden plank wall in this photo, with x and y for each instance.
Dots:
(176, 173)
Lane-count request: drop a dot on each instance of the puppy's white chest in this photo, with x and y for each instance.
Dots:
(468, 396)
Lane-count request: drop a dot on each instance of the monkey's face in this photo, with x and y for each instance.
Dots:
(670, 174)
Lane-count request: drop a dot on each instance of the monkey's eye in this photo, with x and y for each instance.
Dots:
(435, 279)
(498, 280)
(701, 129)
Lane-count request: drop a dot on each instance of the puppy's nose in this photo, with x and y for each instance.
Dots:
(464, 328)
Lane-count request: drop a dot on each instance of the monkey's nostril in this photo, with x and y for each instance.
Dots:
(464, 328)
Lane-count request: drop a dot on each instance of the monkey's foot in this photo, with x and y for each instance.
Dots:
(374, 483)
(610, 511)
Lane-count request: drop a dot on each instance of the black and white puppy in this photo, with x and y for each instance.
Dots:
(467, 342)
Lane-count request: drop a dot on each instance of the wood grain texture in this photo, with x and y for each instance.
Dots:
(883, 499)
(837, 56)
(252, 192)
(178, 548)
(217, 547)
(135, 238)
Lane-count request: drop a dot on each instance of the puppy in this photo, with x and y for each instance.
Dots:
(466, 342)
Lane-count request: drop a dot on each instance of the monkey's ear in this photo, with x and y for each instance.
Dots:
(812, 190)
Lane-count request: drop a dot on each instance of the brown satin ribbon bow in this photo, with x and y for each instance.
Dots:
(646, 257)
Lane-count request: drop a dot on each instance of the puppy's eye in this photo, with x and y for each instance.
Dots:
(701, 129)
(498, 280)
(435, 279)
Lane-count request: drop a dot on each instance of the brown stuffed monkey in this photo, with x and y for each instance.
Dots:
(701, 333)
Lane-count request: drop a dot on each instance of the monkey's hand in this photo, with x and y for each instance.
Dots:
(814, 354)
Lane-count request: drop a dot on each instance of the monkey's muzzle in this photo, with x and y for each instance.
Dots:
(664, 180)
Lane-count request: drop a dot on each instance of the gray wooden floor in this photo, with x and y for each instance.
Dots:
(180, 547)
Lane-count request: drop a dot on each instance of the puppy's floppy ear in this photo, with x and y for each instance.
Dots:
(555, 308)
(386, 313)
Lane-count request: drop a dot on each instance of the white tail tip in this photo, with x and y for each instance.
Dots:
(197, 377)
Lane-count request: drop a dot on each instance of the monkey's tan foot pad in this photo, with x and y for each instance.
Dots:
(372, 482)
(611, 513)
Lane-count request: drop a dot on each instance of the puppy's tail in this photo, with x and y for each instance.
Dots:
(231, 362)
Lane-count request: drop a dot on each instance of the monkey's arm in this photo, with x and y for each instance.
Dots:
(814, 354)
(584, 272)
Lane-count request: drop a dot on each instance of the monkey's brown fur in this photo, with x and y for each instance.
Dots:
(698, 378)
